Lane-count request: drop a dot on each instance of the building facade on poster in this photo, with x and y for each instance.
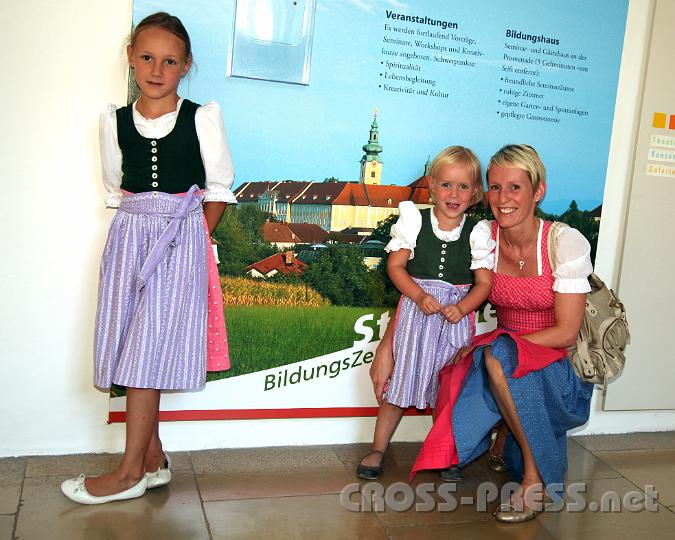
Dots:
(334, 205)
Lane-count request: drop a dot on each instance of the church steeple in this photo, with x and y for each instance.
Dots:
(371, 162)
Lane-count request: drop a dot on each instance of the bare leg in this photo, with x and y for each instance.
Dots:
(142, 414)
(154, 456)
(388, 418)
(502, 395)
(498, 447)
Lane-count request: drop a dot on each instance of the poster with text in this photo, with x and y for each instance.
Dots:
(333, 110)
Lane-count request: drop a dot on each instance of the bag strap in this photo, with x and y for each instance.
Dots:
(552, 241)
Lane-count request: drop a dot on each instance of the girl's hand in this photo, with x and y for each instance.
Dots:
(381, 369)
(453, 313)
(428, 304)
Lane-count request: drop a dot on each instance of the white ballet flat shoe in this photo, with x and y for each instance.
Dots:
(162, 476)
(76, 491)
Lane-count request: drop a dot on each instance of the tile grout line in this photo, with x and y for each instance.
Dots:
(667, 448)
(384, 527)
(201, 500)
(608, 465)
(20, 503)
(628, 479)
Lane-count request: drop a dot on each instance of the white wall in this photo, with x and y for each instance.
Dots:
(614, 210)
(62, 62)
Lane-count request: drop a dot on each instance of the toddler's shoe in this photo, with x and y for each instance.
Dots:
(452, 474)
(370, 473)
(76, 490)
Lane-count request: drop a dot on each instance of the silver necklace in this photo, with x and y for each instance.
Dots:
(521, 258)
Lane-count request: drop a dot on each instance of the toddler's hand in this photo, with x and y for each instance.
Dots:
(452, 313)
(429, 305)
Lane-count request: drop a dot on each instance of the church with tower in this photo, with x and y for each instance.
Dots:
(371, 163)
(337, 206)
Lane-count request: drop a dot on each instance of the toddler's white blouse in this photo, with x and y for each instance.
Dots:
(213, 145)
(573, 260)
(406, 229)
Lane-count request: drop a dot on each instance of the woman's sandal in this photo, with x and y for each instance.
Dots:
(496, 461)
(508, 513)
(370, 473)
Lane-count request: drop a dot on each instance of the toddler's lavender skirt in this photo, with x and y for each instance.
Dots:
(152, 297)
(424, 344)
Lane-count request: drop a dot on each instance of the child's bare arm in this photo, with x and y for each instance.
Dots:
(213, 212)
(396, 268)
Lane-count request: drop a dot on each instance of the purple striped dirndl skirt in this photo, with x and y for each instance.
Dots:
(424, 344)
(152, 296)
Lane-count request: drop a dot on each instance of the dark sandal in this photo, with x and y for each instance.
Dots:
(452, 474)
(370, 473)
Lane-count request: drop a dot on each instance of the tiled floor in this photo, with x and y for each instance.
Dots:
(287, 493)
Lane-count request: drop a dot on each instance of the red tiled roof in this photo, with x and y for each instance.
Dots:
(251, 191)
(343, 193)
(320, 193)
(421, 182)
(373, 195)
(287, 190)
(275, 232)
(308, 233)
(293, 233)
(277, 262)
(420, 190)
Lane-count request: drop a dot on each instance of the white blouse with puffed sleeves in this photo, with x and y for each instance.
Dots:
(406, 229)
(213, 146)
(573, 260)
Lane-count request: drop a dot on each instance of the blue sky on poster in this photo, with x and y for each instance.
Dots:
(281, 131)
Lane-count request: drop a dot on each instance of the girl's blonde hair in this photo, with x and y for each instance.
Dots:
(460, 154)
(520, 156)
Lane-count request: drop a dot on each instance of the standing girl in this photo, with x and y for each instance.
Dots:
(167, 168)
(441, 261)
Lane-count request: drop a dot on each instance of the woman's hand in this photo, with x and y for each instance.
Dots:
(381, 368)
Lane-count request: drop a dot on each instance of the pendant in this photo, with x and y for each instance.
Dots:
(521, 263)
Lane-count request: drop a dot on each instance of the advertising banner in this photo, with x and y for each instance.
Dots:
(333, 111)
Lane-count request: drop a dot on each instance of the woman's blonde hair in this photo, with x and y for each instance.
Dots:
(460, 154)
(520, 156)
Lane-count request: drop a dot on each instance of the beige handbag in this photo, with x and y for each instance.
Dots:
(598, 355)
